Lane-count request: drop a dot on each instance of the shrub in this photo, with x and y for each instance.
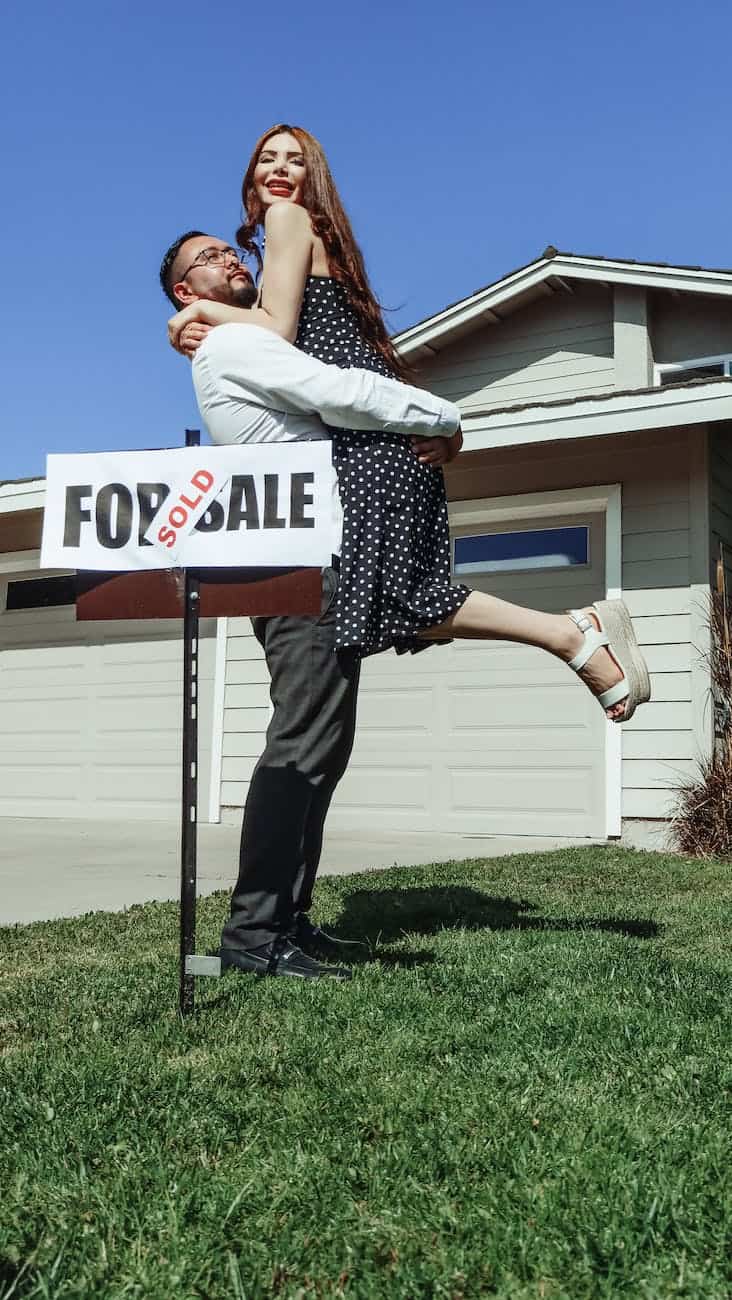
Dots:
(702, 820)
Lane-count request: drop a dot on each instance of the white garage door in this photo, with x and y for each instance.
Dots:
(90, 715)
(492, 737)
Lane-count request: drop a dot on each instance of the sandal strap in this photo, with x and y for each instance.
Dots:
(593, 639)
(614, 694)
(578, 616)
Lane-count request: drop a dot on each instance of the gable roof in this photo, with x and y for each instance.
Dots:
(546, 275)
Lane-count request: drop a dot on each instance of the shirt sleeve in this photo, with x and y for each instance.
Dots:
(252, 364)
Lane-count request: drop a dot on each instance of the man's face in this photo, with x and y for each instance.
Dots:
(223, 279)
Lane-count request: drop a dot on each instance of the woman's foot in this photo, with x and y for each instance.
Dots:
(601, 670)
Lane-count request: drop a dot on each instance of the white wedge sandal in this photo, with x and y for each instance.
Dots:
(616, 632)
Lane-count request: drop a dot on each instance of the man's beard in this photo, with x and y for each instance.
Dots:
(244, 293)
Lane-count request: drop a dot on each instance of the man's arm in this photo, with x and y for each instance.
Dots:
(259, 366)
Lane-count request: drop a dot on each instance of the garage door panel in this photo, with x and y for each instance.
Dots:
(148, 676)
(575, 591)
(51, 778)
(535, 713)
(483, 737)
(144, 709)
(139, 782)
(90, 716)
(45, 714)
(404, 788)
(513, 783)
(405, 710)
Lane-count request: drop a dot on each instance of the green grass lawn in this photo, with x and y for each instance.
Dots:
(524, 1092)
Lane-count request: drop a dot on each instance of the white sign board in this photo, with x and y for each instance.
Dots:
(270, 504)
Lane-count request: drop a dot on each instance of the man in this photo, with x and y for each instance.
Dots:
(253, 386)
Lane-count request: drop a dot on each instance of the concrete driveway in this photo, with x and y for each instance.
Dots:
(51, 868)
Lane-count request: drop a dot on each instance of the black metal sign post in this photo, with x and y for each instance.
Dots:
(194, 594)
(189, 801)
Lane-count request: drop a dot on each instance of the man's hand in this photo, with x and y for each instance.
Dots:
(455, 444)
(192, 336)
(437, 451)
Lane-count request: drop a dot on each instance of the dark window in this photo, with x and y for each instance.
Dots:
(41, 593)
(683, 374)
(531, 548)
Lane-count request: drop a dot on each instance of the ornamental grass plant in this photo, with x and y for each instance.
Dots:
(702, 818)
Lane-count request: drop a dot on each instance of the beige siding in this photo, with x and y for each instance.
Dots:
(557, 348)
(246, 711)
(654, 470)
(689, 326)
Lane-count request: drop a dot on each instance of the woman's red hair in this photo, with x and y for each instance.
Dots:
(330, 223)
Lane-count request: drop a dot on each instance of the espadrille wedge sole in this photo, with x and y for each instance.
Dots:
(616, 632)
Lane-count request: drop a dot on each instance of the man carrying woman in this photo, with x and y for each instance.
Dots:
(252, 386)
(394, 587)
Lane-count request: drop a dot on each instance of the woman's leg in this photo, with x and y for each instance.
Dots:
(488, 618)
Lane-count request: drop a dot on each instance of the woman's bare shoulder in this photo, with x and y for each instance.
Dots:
(288, 219)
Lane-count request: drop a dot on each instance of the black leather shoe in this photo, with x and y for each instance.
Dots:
(318, 943)
(280, 957)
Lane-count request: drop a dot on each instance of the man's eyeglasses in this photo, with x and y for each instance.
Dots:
(214, 257)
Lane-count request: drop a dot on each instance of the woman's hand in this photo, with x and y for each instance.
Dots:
(204, 312)
(191, 338)
(195, 313)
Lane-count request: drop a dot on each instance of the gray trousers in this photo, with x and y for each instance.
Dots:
(309, 742)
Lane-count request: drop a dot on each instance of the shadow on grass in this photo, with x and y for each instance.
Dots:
(383, 916)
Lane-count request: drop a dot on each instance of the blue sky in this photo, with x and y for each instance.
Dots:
(464, 138)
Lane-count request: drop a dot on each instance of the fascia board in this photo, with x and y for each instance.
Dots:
(645, 276)
(462, 313)
(440, 327)
(593, 419)
(22, 496)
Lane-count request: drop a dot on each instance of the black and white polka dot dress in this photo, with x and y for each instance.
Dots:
(395, 558)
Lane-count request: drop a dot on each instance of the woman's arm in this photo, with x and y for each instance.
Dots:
(207, 312)
(287, 262)
(288, 258)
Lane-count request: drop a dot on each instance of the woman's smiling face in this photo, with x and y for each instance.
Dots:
(279, 175)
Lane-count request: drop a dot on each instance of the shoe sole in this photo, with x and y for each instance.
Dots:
(614, 619)
(282, 974)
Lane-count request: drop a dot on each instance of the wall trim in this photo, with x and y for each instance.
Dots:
(217, 727)
(702, 710)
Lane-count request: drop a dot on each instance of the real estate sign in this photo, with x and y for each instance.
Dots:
(208, 507)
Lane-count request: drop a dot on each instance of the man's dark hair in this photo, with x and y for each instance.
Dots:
(166, 266)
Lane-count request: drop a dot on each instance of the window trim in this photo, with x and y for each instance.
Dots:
(541, 526)
(666, 367)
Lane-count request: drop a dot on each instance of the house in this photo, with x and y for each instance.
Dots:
(597, 396)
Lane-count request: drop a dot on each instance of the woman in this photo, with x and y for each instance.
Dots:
(395, 567)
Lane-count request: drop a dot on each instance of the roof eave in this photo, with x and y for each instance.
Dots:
(25, 494)
(438, 329)
(599, 416)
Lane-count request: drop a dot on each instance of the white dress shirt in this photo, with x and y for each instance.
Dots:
(253, 386)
